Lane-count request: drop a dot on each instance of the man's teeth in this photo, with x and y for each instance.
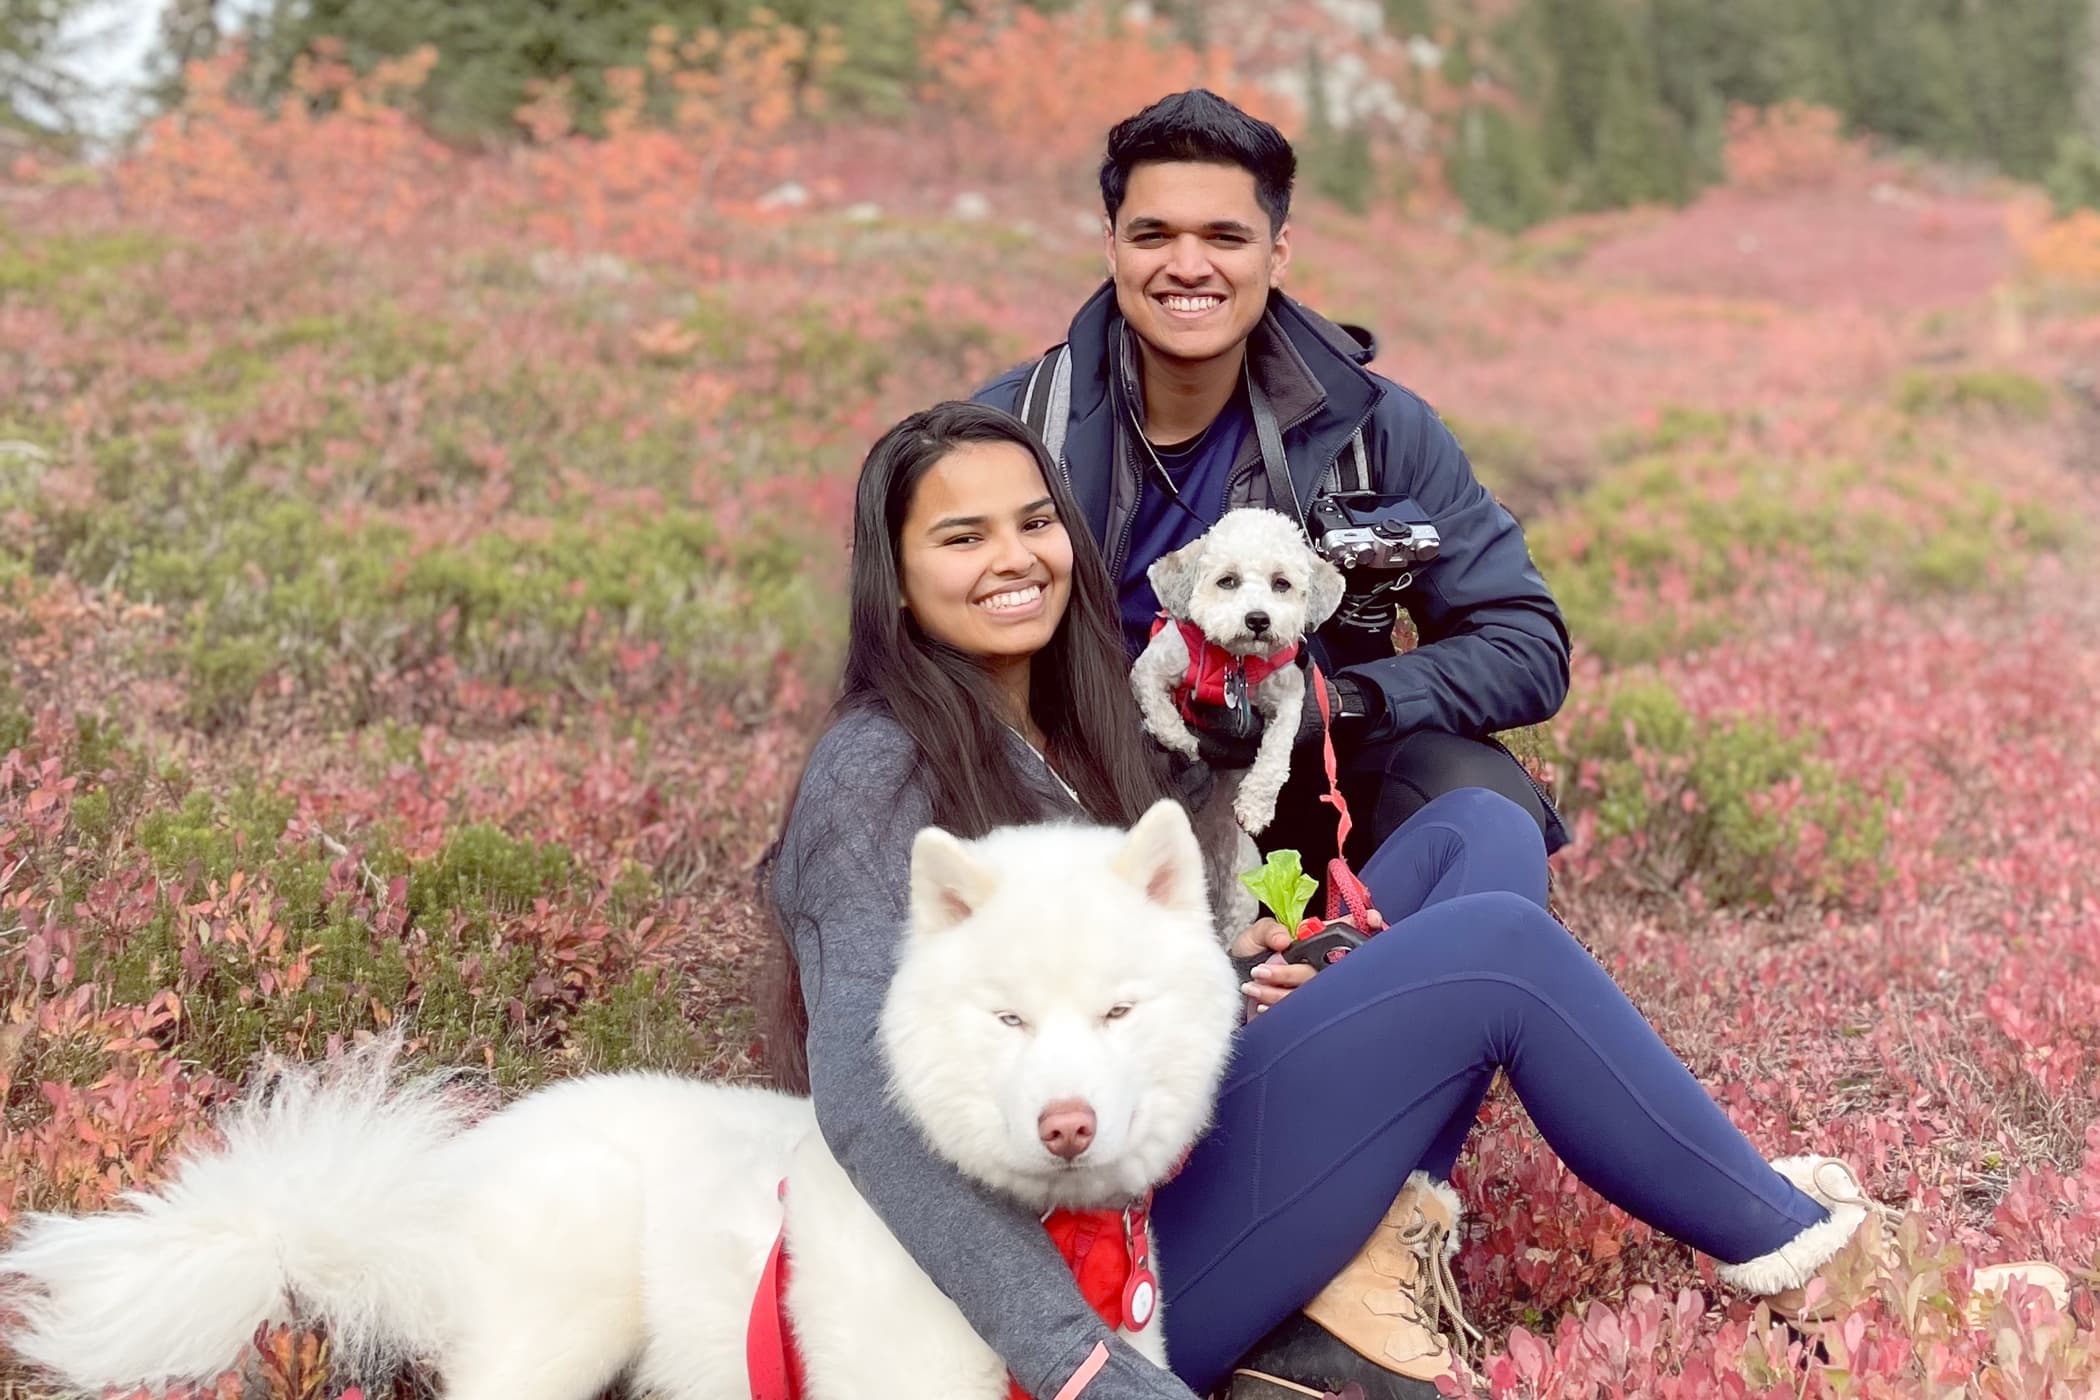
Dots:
(1191, 303)
(1018, 598)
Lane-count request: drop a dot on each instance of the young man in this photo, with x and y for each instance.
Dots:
(1190, 384)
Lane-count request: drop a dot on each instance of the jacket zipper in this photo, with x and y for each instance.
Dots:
(1545, 800)
(1122, 550)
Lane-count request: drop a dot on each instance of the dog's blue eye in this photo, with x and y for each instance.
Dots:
(1118, 1011)
(1009, 1018)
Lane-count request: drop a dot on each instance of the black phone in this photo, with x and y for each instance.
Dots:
(1324, 948)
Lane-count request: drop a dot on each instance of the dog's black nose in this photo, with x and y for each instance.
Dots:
(1257, 623)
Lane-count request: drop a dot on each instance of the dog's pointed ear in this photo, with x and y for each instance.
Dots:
(1323, 593)
(1173, 577)
(1161, 857)
(947, 883)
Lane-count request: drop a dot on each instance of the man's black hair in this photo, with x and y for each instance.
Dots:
(1199, 125)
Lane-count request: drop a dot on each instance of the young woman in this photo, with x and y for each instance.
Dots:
(984, 685)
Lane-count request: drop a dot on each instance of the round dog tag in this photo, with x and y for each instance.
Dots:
(1140, 1297)
(1141, 1294)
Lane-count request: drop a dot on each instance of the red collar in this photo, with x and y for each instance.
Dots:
(1110, 1261)
(1215, 674)
(1107, 1251)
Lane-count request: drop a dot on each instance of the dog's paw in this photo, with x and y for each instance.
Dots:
(1180, 739)
(1253, 810)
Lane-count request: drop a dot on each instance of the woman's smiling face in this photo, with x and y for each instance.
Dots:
(984, 562)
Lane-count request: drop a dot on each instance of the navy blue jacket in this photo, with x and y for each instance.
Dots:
(1494, 651)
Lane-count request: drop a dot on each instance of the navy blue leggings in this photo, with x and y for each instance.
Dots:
(1377, 1067)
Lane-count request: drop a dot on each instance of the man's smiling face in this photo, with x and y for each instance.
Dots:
(1193, 257)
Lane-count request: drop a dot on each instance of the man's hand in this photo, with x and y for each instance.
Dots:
(1349, 703)
(1225, 737)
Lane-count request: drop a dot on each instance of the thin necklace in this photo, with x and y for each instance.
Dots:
(1044, 759)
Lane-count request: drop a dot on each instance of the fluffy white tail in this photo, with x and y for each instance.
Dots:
(322, 1200)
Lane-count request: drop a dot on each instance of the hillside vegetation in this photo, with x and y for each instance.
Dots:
(420, 576)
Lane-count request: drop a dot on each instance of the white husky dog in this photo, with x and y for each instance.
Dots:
(619, 1223)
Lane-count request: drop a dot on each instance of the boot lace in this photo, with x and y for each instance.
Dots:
(1425, 1239)
(1847, 1191)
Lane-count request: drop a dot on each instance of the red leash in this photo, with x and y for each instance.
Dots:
(1343, 888)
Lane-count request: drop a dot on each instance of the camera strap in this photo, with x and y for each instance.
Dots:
(1046, 403)
(1277, 468)
(1282, 495)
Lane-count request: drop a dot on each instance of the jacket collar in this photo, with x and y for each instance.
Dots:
(1310, 368)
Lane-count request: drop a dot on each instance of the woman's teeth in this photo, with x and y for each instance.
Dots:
(1017, 598)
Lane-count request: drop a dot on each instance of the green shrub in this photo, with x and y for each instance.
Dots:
(206, 838)
(452, 962)
(1699, 796)
(1676, 426)
(1699, 514)
(635, 1024)
(93, 816)
(2004, 393)
(16, 724)
(484, 870)
(1506, 459)
(2073, 180)
(94, 260)
(273, 586)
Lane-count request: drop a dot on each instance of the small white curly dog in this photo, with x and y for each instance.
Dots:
(1251, 588)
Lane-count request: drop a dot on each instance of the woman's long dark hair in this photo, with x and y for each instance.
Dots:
(948, 702)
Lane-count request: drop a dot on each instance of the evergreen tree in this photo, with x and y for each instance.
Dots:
(1903, 69)
(38, 94)
(2073, 181)
(1585, 41)
(1640, 153)
(1407, 17)
(490, 52)
(1336, 159)
(189, 30)
(1633, 95)
(2087, 63)
(2021, 65)
(1498, 172)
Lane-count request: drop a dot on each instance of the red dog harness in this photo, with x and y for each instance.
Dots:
(1215, 676)
(1116, 1282)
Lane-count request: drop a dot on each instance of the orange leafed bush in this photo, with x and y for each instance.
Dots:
(697, 129)
(2053, 249)
(694, 133)
(337, 153)
(1042, 89)
(1789, 146)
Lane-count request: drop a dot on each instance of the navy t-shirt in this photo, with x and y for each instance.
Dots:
(1201, 470)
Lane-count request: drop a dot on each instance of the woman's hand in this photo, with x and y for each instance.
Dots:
(1272, 982)
(1263, 933)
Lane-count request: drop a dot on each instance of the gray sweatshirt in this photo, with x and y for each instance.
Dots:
(841, 883)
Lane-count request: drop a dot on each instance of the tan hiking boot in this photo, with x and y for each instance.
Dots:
(1391, 1303)
(1990, 1280)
